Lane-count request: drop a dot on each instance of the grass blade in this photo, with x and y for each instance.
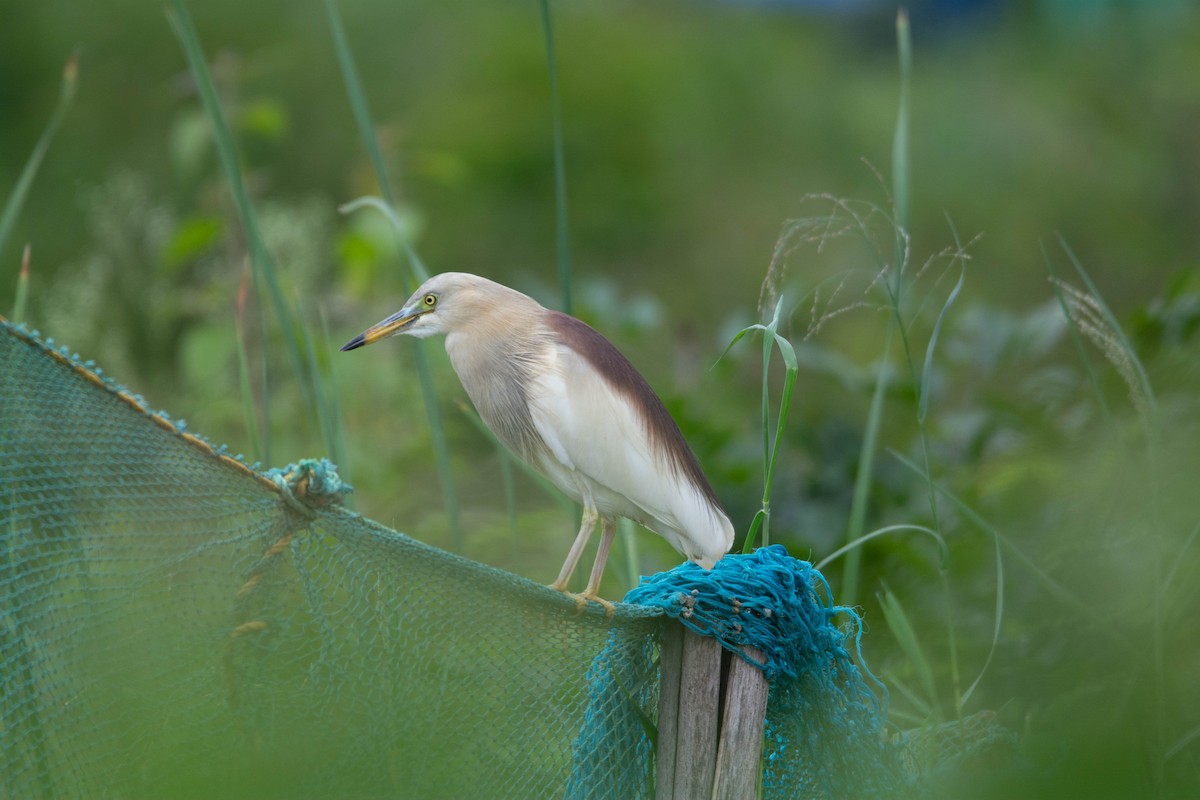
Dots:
(906, 636)
(338, 433)
(16, 200)
(866, 468)
(1052, 586)
(771, 340)
(900, 193)
(358, 100)
(366, 130)
(18, 312)
(927, 369)
(441, 445)
(943, 548)
(258, 445)
(328, 419)
(437, 430)
(752, 534)
(1177, 560)
(629, 544)
(1182, 742)
(766, 428)
(265, 271)
(926, 711)
(256, 449)
(560, 171)
(900, 172)
(999, 619)
(420, 271)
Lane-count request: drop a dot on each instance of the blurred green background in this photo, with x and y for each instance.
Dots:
(693, 132)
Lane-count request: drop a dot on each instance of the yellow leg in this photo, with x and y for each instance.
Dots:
(588, 524)
(607, 533)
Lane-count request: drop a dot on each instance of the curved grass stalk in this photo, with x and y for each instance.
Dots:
(1052, 586)
(366, 129)
(943, 548)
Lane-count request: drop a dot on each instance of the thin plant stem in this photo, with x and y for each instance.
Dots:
(16, 199)
(18, 312)
(560, 171)
(366, 130)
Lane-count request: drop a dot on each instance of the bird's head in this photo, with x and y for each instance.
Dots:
(442, 304)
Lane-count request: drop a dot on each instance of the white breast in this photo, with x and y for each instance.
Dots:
(598, 448)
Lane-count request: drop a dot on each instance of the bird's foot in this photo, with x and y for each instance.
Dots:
(609, 608)
(582, 599)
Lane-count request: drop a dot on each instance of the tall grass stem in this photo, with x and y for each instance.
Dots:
(295, 336)
(20, 191)
(260, 258)
(366, 130)
(852, 568)
(560, 169)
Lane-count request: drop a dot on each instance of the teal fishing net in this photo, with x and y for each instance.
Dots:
(825, 733)
(176, 623)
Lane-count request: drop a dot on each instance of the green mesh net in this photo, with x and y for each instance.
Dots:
(175, 623)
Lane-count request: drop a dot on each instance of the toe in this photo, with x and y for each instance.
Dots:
(581, 600)
(609, 608)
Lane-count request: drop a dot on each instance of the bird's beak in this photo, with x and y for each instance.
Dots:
(394, 324)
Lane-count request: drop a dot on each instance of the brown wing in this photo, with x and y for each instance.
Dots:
(665, 437)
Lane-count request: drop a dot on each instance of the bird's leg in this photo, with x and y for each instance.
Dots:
(586, 527)
(608, 531)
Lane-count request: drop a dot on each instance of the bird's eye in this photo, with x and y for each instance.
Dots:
(430, 300)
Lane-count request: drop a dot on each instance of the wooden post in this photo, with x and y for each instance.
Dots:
(696, 737)
(670, 659)
(710, 720)
(741, 729)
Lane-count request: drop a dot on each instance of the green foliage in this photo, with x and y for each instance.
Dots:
(772, 340)
(1040, 438)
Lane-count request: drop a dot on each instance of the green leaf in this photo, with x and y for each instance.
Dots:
(755, 524)
(195, 237)
(906, 636)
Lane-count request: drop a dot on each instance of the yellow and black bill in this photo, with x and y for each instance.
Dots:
(394, 324)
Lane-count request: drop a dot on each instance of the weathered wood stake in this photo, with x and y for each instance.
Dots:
(710, 720)
(669, 658)
(742, 723)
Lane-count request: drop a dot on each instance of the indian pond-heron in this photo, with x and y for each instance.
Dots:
(563, 398)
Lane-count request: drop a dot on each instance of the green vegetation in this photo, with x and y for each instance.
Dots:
(994, 432)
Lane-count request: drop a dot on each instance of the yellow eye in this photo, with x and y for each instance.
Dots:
(430, 300)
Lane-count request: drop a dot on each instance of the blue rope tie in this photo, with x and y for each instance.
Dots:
(309, 485)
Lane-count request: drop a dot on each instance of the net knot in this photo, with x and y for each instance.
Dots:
(310, 485)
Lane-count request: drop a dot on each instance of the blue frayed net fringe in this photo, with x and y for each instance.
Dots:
(825, 731)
